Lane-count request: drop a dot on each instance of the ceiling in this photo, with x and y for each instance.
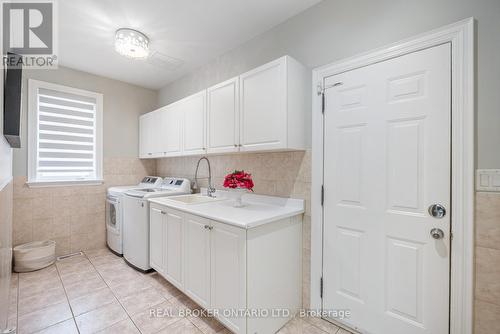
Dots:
(184, 34)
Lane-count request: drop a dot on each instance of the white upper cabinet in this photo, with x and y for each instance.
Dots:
(223, 117)
(273, 106)
(264, 109)
(194, 110)
(172, 120)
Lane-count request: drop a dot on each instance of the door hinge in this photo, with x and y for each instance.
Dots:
(321, 287)
(323, 103)
(322, 195)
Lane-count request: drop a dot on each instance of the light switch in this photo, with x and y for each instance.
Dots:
(488, 180)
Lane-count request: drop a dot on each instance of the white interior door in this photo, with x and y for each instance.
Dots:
(386, 160)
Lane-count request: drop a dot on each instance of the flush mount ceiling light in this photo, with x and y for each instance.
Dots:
(131, 43)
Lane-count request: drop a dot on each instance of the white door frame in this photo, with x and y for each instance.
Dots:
(461, 37)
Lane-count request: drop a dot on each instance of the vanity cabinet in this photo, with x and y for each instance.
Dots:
(265, 109)
(231, 269)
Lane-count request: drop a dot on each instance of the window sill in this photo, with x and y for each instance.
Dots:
(41, 184)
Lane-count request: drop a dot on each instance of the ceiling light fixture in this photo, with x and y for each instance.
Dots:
(131, 43)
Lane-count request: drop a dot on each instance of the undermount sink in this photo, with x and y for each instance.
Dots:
(193, 199)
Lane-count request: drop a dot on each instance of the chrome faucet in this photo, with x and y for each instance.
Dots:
(210, 189)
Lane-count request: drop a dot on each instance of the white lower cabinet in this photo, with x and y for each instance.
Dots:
(197, 259)
(173, 248)
(229, 270)
(228, 274)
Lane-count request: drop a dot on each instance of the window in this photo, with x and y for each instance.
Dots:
(64, 135)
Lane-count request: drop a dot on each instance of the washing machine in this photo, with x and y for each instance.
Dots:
(136, 219)
(114, 211)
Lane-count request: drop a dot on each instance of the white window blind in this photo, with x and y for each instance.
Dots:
(67, 138)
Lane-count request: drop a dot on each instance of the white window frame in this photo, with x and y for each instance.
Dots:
(33, 86)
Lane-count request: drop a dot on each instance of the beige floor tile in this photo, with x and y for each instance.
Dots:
(155, 319)
(78, 289)
(46, 317)
(343, 331)
(123, 327)
(80, 276)
(184, 302)
(207, 325)
(141, 300)
(163, 286)
(65, 327)
(38, 275)
(128, 287)
(299, 326)
(115, 276)
(91, 301)
(100, 318)
(322, 324)
(97, 252)
(35, 287)
(41, 300)
(182, 326)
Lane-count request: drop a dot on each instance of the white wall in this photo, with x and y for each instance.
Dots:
(123, 103)
(336, 29)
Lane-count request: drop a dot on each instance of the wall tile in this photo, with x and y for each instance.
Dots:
(488, 219)
(73, 216)
(488, 275)
(487, 318)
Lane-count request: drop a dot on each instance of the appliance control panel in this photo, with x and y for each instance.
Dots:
(151, 181)
(174, 183)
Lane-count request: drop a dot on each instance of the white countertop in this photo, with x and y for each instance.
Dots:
(258, 209)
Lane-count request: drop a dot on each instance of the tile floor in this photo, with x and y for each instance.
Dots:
(98, 293)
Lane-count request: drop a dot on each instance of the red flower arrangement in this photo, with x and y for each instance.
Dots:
(238, 179)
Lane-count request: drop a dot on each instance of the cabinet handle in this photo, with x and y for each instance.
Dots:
(208, 227)
(235, 145)
(163, 212)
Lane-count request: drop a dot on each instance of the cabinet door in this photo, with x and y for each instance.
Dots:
(228, 273)
(173, 248)
(156, 246)
(194, 109)
(263, 120)
(145, 130)
(197, 259)
(223, 117)
(172, 129)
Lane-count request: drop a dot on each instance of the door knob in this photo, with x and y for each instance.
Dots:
(437, 233)
(437, 211)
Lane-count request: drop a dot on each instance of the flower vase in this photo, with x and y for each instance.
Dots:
(239, 192)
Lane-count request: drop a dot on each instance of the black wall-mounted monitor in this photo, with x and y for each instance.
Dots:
(12, 100)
